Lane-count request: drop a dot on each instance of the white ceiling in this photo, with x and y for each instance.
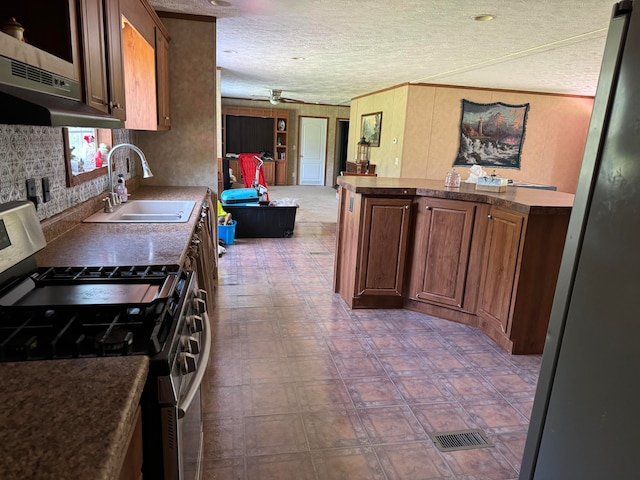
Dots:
(353, 47)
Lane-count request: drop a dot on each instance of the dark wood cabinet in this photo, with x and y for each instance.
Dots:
(468, 260)
(384, 246)
(500, 259)
(371, 250)
(441, 246)
(102, 56)
(275, 172)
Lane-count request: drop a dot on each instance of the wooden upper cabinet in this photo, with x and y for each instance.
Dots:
(102, 56)
(499, 266)
(94, 55)
(145, 51)
(441, 247)
(385, 232)
(162, 80)
(117, 93)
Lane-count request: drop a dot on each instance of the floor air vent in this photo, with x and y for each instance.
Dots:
(460, 440)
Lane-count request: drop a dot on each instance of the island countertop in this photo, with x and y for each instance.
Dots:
(525, 200)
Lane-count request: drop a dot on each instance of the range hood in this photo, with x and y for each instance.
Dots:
(32, 96)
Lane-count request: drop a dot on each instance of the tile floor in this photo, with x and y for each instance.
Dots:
(300, 387)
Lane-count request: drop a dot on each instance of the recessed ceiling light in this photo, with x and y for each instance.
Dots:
(485, 17)
(220, 3)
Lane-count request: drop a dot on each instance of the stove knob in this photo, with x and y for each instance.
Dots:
(199, 306)
(202, 294)
(195, 323)
(187, 362)
(190, 345)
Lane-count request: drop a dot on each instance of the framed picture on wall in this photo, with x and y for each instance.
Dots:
(371, 125)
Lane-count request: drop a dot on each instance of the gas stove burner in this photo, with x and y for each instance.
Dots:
(114, 340)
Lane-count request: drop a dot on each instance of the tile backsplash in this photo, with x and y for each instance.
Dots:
(38, 152)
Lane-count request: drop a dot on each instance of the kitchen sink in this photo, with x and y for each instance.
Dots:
(146, 211)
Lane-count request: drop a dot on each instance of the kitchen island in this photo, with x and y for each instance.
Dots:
(486, 259)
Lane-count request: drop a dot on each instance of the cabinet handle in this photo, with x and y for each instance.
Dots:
(428, 207)
(489, 217)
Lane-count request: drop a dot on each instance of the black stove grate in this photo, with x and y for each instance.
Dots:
(132, 273)
(42, 332)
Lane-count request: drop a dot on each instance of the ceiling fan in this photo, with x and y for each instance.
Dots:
(275, 97)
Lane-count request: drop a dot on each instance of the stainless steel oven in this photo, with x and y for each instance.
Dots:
(67, 312)
(178, 393)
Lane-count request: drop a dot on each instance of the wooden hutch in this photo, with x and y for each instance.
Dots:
(275, 172)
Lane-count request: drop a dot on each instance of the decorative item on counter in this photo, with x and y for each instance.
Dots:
(121, 189)
(362, 155)
(14, 28)
(452, 180)
(493, 183)
(281, 125)
(475, 172)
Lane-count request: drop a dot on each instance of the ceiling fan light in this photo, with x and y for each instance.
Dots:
(274, 101)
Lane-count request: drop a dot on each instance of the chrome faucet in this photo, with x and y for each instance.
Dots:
(146, 172)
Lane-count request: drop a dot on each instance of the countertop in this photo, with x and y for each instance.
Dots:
(108, 244)
(525, 200)
(68, 419)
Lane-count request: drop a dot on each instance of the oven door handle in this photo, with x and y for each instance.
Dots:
(203, 360)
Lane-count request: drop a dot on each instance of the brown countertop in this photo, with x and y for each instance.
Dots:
(525, 200)
(71, 418)
(107, 244)
(68, 419)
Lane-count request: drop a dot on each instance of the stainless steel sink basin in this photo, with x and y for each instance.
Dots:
(146, 211)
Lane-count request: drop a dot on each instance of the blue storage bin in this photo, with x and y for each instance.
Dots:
(227, 233)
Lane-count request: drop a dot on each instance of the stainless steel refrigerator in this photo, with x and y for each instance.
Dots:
(585, 422)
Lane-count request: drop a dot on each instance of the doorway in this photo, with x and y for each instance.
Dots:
(313, 150)
(342, 140)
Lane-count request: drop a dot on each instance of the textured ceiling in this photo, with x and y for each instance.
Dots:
(350, 47)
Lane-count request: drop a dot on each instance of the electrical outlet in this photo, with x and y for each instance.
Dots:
(32, 193)
(46, 190)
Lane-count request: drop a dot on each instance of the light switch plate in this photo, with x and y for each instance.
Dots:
(46, 190)
(32, 192)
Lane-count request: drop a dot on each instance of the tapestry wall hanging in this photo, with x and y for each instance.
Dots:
(491, 134)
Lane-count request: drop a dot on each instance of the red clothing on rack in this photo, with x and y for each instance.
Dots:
(248, 165)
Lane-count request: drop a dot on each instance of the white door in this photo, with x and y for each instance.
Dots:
(313, 150)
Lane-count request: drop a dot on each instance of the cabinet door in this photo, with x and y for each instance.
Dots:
(269, 171)
(117, 92)
(441, 250)
(499, 265)
(94, 55)
(162, 79)
(385, 228)
(281, 172)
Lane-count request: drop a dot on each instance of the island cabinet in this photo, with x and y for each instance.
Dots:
(373, 245)
(519, 272)
(488, 260)
(441, 253)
